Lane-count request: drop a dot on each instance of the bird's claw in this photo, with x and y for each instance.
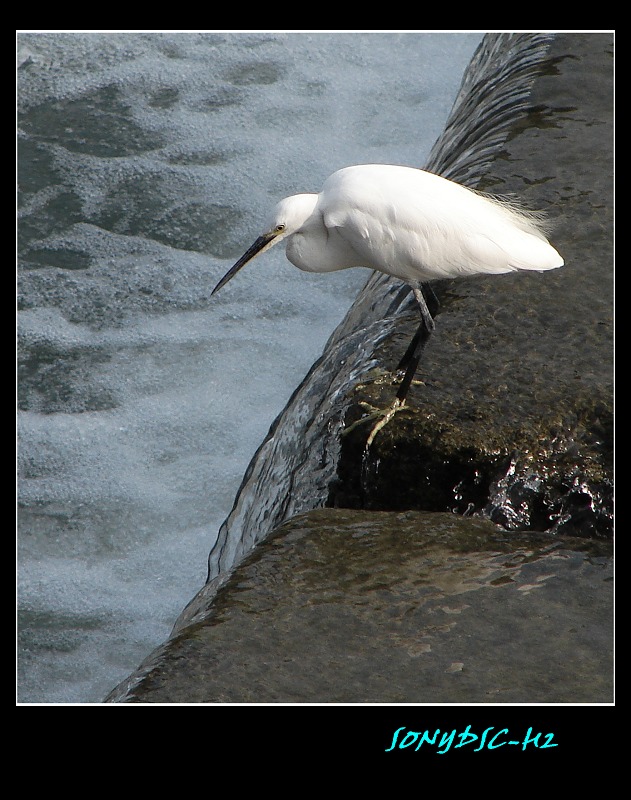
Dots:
(386, 416)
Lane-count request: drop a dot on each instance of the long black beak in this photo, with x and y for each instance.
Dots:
(249, 254)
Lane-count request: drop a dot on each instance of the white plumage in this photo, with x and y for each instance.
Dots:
(404, 222)
(410, 224)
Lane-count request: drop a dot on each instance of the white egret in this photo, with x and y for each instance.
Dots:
(408, 223)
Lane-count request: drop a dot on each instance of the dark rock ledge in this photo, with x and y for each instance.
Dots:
(514, 416)
(341, 606)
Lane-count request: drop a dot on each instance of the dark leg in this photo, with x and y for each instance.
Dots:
(426, 299)
(424, 296)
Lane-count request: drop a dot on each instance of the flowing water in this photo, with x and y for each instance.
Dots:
(147, 163)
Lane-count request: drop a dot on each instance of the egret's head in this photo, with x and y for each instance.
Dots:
(288, 216)
(291, 214)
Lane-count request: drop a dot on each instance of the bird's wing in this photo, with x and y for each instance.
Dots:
(420, 227)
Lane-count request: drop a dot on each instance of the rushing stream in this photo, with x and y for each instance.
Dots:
(146, 162)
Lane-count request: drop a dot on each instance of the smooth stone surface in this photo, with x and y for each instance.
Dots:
(372, 607)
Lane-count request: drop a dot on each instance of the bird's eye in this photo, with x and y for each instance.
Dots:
(280, 227)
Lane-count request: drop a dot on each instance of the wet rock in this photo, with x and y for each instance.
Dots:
(375, 607)
(513, 415)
